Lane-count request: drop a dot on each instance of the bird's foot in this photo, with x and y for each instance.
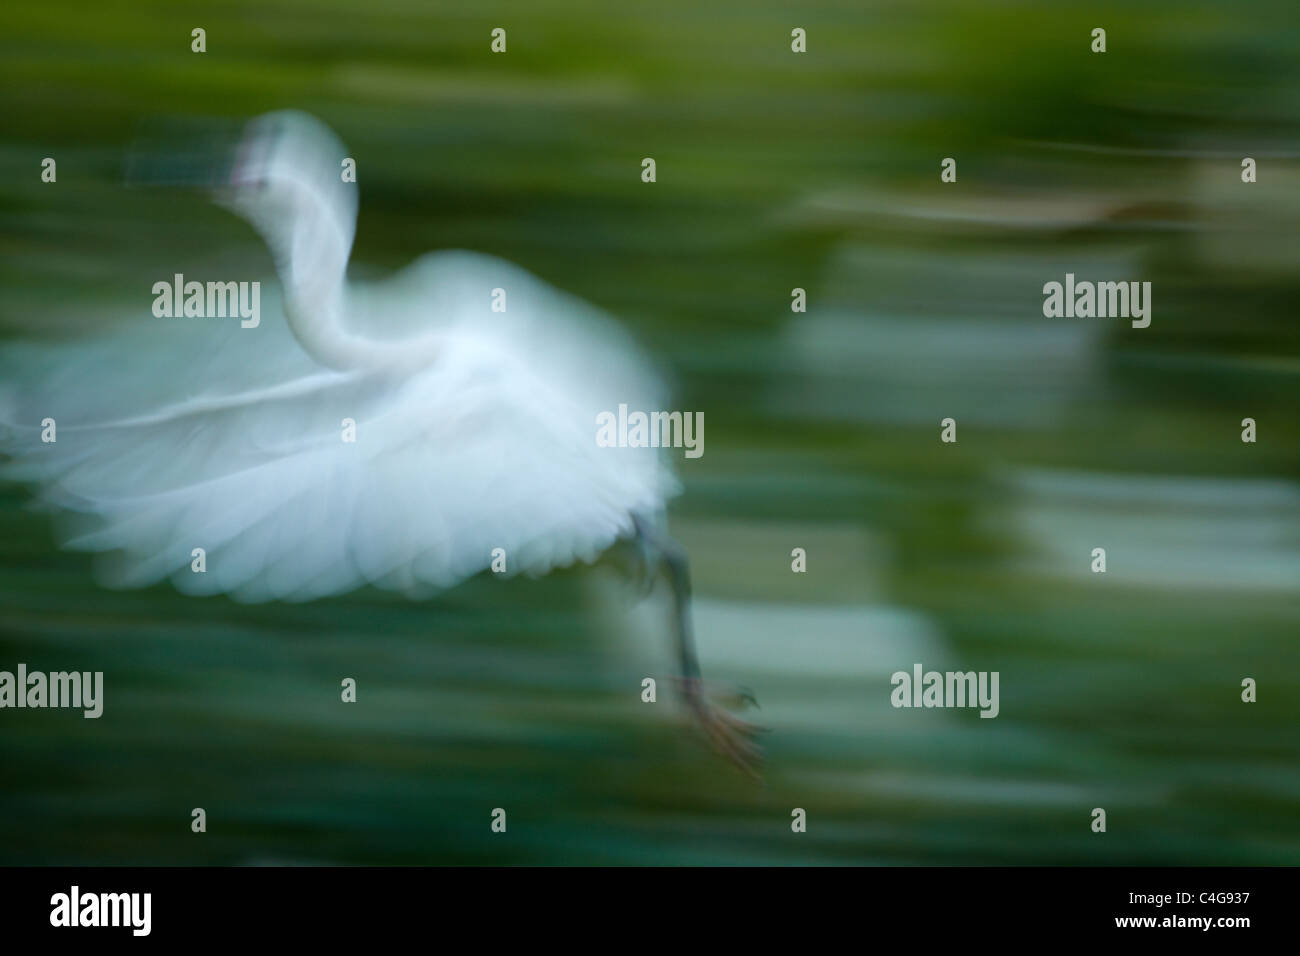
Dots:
(731, 736)
(730, 696)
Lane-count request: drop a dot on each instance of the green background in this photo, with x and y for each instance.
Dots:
(775, 171)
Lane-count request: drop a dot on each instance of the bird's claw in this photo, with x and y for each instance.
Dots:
(731, 696)
(731, 736)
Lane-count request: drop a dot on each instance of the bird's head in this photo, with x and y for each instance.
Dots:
(283, 171)
(288, 167)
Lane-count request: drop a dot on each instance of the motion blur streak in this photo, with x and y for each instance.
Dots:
(776, 170)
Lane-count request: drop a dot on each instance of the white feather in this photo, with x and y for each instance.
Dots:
(475, 429)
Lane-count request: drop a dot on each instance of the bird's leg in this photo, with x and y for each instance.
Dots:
(646, 558)
(729, 735)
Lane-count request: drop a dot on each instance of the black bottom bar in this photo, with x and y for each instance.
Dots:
(331, 905)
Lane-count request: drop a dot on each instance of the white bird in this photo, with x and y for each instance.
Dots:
(475, 430)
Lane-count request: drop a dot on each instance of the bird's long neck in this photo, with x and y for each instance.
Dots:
(311, 246)
(311, 250)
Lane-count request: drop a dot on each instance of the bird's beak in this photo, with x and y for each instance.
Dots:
(185, 154)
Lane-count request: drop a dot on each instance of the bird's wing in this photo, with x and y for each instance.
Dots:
(196, 433)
